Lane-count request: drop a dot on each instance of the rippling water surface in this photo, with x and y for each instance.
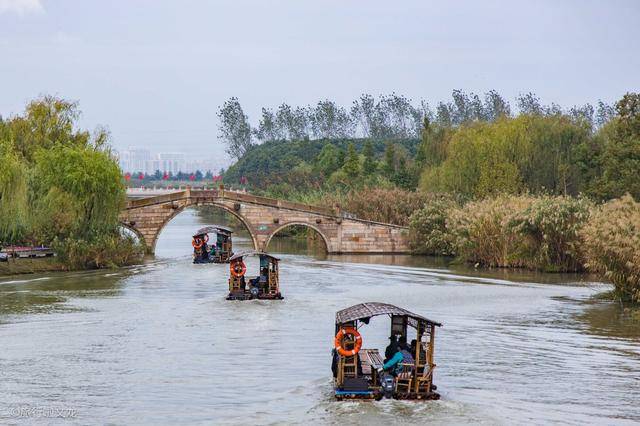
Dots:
(158, 343)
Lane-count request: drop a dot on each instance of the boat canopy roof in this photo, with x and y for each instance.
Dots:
(252, 253)
(367, 310)
(213, 229)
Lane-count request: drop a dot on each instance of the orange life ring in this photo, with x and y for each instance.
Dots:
(238, 273)
(338, 341)
(196, 243)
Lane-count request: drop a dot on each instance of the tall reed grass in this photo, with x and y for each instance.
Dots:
(388, 205)
(504, 231)
(429, 233)
(551, 233)
(612, 245)
(482, 231)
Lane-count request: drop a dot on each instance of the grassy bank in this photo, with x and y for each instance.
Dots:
(77, 254)
(31, 266)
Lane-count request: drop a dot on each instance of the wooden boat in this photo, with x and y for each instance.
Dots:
(359, 374)
(265, 286)
(218, 252)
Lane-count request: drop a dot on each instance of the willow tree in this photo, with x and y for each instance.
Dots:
(13, 196)
(86, 181)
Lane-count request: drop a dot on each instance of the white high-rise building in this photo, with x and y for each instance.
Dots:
(172, 162)
(134, 160)
(138, 159)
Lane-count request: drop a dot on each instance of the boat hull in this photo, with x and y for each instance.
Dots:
(249, 296)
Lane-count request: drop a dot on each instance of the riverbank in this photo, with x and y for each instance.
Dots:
(78, 255)
(31, 266)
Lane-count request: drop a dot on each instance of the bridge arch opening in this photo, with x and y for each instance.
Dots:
(297, 237)
(129, 231)
(174, 235)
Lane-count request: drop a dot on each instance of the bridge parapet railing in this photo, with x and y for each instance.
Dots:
(247, 198)
(229, 195)
(158, 199)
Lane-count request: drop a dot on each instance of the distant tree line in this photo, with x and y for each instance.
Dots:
(280, 168)
(470, 146)
(386, 117)
(197, 176)
(544, 149)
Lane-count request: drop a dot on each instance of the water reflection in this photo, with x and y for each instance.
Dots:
(43, 293)
(607, 319)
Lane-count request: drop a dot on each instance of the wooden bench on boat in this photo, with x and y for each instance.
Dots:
(370, 359)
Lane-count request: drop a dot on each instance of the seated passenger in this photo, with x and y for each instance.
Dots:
(390, 350)
(393, 366)
(407, 357)
(402, 343)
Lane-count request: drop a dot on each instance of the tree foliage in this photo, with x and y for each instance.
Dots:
(271, 163)
(529, 152)
(387, 117)
(473, 145)
(13, 195)
(234, 128)
(369, 165)
(56, 182)
(89, 180)
(351, 165)
(329, 121)
(615, 154)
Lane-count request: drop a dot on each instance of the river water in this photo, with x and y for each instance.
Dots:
(158, 343)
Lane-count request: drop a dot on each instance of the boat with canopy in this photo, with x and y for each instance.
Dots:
(266, 285)
(219, 251)
(405, 371)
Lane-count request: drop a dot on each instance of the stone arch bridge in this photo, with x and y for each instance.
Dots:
(263, 218)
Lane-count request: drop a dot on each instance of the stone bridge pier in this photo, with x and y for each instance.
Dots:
(263, 218)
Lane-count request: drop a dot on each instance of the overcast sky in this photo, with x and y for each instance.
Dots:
(155, 72)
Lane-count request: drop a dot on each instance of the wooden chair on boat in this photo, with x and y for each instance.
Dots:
(423, 381)
(404, 378)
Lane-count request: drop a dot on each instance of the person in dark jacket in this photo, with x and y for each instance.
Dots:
(391, 350)
(402, 343)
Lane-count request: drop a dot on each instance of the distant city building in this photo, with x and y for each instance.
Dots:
(134, 160)
(171, 162)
